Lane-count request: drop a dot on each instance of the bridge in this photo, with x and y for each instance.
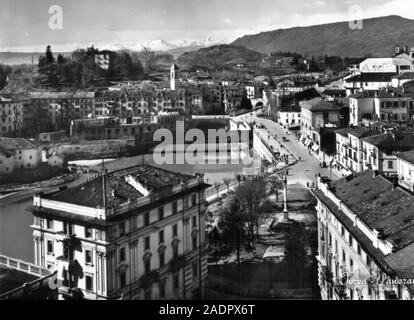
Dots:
(23, 266)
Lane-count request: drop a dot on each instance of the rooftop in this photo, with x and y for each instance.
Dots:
(406, 156)
(372, 77)
(16, 144)
(390, 142)
(379, 205)
(118, 190)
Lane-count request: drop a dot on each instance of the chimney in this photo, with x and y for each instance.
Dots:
(406, 49)
(397, 49)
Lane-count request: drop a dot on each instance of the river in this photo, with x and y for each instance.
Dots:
(15, 232)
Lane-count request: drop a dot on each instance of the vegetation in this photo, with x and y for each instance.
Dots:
(5, 72)
(81, 71)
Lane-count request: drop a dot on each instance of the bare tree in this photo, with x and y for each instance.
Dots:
(217, 187)
(274, 184)
(227, 182)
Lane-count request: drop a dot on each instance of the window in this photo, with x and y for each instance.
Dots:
(175, 230)
(160, 213)
(175, 252)
(121, 228)
(146, 218)
(174, 207)
(49, 224)
(194, 241)
(50, 247)
(368, 261)
(162, 288)
(342, 231)
(122, 254)
(122, 279)
(89, 282)
(390, 165)
(351, 241)
(176, 281)
(67, 228)
(147, 265)
(147, 243)
(195, 270)
(162, 259)
(194, 221)
(351, 264)
(343, 256)
(88, 256)
(161, 236)
(194, 199)
(88, 232)
(359, 249)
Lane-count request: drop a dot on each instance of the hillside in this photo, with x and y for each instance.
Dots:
(378, 38)
(219, 57)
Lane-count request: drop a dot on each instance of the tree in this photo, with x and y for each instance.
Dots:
(227, 182)
(217, 187)
(49, 55)
(233, 227)
(274, 184)
(149, 59)
(251, 196)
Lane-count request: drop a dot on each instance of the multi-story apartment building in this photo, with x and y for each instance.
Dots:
(137, 233)
(386, 106)
(12, 108)
(289, 117)
(349, 151)
(378, 151)
(365, 239)
(140, 128)
(232, 97)
(56, 110)
(317, 113)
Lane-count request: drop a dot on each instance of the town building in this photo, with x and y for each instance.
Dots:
(289, 117)
(365, 239)
(18, 153)
(136, 233)
(405, 169)
(378, 152)
(317, 113)
(349, 149)
(384, 105)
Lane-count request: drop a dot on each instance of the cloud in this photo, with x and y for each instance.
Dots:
(319, 3)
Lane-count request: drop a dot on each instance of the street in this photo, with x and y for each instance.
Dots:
(305, 170)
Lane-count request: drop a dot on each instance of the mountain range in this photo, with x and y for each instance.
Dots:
(378, 38)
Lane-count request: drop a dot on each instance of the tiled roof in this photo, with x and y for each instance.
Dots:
(407, 156)
(118, 191)
(372, 77)
(363, 132)
(379, 205)
(11, 144)
(390, 142)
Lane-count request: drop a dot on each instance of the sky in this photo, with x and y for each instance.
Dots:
(25, 24)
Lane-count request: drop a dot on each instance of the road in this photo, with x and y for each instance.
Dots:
(305, 170)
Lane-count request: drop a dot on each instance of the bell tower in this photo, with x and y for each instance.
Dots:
(173, 71)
